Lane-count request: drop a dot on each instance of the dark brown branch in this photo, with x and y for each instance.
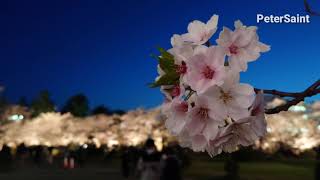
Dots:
(288, 104)
(312, 90)
(278, 93)
(208, 43)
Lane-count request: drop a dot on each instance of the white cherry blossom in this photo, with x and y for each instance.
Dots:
(199, 32)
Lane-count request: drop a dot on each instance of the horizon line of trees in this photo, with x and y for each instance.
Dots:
(77, 105)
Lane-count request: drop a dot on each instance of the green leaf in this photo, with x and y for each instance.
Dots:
(166, 61)
(165, 54)
(167, 65)
(171, 78)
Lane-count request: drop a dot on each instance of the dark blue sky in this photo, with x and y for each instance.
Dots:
(102, 48)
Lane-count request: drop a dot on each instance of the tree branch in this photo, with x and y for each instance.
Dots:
(312, 90)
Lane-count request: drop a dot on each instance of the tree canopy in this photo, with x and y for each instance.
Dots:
(77, 105)
(42, 103)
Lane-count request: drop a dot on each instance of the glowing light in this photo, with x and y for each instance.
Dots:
(269, 129)
(298, 108)
(16, 117)
(112, 143)
(291, 129)
(133, 128)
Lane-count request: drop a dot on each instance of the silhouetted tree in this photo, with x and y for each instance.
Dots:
(101, 109)
(23, 101)
(118, 111)
(3, 105)
(77, 105)
(3, 102)
(42, 103)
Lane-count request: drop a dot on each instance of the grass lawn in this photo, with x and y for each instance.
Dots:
(206, 169)
(202, 168)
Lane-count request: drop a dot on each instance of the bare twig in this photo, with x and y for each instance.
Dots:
(312, 90)
(208, 43)
(309, 9)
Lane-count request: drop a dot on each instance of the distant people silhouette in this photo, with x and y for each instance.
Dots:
(149, 162)
(5, 158)
(171, 165)
(125, 163)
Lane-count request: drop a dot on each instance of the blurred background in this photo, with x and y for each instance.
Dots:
(75, 102)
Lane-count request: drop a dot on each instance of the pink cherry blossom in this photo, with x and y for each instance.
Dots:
(177, 115)
(209, 109)
(202, 119)
(172, 91)
(241, 45)
(197, 143)
(199, 32)
(215, 146)
(206, 69)
(181, 54)
(178, 41)
(242, 132)
(258, 122)
(247, 130)
(231, 99)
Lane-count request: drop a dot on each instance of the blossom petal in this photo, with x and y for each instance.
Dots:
(244, 95)
(242, 37)
(211, 130)
(201, 49)
(263, 47)
(237, 113)
(225, 37)
(215, 56)
(213, 22)
(237, 64)
(195, 126)
(176, 40)
(198, 143)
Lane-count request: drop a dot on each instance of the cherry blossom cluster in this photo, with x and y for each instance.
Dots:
(206, 107)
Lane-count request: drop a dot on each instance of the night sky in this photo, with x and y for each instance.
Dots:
(102, 48)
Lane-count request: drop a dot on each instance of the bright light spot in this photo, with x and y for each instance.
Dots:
(85, 146)
(112, 143)
(269, 129)
(16, 117)
(297, 108)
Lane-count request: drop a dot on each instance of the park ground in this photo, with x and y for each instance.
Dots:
(201, 168)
